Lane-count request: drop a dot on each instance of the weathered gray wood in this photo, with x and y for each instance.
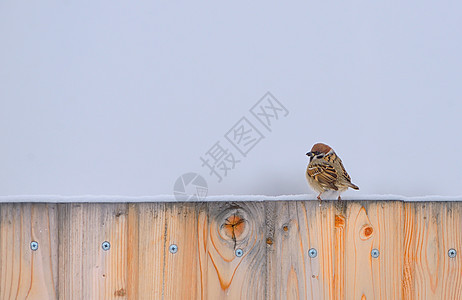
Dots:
(149, 264)
(293, 274)
(86, 271)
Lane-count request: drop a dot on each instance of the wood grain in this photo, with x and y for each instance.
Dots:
(147, 227)
(86, 271)
(432, 228)
(275, 236)
(223, 274)
(25, 273)
(181, 269)
(373, 225)
(300, 226)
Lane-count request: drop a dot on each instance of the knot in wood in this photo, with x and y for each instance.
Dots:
(269, 241)
(120, 293)
(119, 213)
(339, 221)
(234, 226)
(366, 232)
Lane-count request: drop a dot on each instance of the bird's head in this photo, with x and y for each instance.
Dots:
(319, 150)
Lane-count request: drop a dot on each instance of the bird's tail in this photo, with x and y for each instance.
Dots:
(353, 186)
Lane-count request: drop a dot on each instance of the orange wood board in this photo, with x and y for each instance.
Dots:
(231, 250)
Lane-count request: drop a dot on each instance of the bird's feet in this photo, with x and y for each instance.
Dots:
(339, 199)
(319, 198)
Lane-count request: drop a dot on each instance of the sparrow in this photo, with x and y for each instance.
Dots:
(325, 171)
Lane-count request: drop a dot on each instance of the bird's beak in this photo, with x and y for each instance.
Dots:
(309, 154)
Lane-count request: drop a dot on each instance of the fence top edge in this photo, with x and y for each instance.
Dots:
(218, 198)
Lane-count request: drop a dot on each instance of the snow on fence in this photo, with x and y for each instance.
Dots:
(234, 250)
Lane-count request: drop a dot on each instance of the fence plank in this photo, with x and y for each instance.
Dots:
(133, 252)
(25, 273)
(150, 232)
(300, 226)
(181, 271)
(225, 228)
(86, 270)
(431, 230)
(374, 225)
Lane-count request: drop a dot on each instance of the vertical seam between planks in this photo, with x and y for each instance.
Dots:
(21, 211)
(57, 214)
(32, 255)
(165, 250)
(138, 217)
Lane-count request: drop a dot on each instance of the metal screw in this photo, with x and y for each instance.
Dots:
(239, 252)
(313, 253)
(375, 253)
(173, 248)
(33, 246)
(106, 246)
(452, 253)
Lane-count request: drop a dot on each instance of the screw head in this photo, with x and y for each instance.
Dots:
(33, 246)
(452, 253)
(375, 253)
(313, 253)
(239, 252)
(106, 245)
(173, 248)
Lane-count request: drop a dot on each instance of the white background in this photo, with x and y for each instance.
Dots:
(112, 97)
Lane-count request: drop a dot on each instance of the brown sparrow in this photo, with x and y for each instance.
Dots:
(326, 172)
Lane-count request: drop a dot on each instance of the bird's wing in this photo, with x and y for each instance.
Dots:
(344, 172)
(324, 174)
(347, 177)
(333, 158)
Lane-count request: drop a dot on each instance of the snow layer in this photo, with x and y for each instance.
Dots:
(171, 198)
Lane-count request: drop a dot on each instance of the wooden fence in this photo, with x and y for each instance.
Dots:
(231, 250)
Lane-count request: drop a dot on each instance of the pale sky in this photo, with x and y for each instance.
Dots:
(122, 98)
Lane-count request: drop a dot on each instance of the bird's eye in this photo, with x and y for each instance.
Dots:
(320, 156)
